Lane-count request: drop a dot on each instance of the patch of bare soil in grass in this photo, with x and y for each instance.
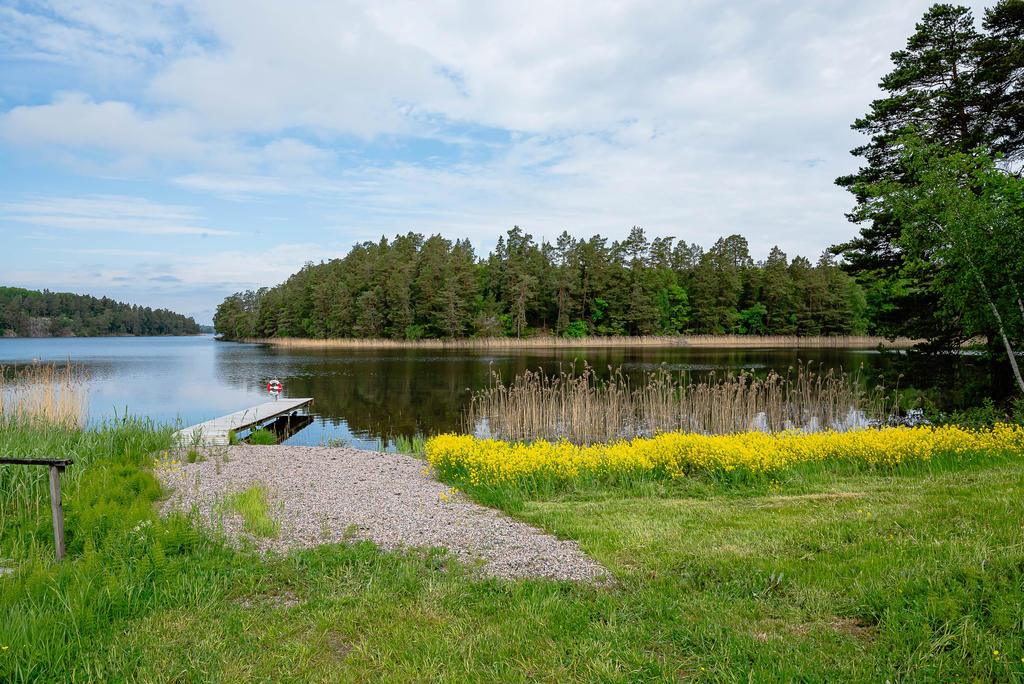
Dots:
(337, 646)
(851, 627)
(820, 496)
(774, 629)
(284, 599)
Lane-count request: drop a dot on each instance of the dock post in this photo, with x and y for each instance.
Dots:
(57, 510)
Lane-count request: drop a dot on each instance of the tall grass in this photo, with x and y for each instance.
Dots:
(262, 436)
(24, 489)
(122, 556)
(43, 393)
(545, 341)
(42, 408)
(412, 446)
(252, 505)
(583, 409)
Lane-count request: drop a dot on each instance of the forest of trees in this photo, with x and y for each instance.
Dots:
(414, 287)
(31, 313)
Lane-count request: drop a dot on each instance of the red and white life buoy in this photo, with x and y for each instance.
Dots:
(275, 387)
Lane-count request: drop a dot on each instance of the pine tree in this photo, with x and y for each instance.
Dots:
(961, 89)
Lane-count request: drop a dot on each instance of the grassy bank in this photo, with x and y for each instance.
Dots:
(913, 573)
(888, 560)
(724, 341)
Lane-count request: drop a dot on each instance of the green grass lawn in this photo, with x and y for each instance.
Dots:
(916, 576)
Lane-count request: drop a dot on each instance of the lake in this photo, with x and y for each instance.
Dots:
(361, 396)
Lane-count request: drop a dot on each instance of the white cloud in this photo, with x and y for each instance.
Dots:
(111, 252)
(245, 186)
(111, 213)
(328, 67)
(692, 119)
(224, 269)
(74, 120)
(116, 42)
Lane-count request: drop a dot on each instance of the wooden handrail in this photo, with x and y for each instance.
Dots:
(57, 466)
(62, 462)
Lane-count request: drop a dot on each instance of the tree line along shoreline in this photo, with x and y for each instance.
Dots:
(550, 341)
(415, 287)
(41, 313)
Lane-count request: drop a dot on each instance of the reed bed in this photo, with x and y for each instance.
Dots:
(43, 393)
(798, 342)
(581, 408)
(547, 341)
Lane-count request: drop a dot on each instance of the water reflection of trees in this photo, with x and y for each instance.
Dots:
(379, 394)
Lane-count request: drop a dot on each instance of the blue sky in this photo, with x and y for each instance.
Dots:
(169, 154)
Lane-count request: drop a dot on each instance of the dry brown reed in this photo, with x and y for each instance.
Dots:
(545, 341)
(583, 409)
(43, 393)
(798, 342)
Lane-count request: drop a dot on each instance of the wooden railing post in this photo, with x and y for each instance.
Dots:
(57, 510)
(57, 466)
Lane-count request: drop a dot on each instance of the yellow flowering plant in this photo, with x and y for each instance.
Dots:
(491, 462)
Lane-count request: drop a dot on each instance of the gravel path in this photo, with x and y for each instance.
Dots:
(327, 494)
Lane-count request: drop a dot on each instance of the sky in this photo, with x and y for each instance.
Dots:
(168, 154)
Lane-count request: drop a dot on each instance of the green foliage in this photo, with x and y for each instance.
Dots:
(675, 306)
(414, 287)
(961, 89)
(123, 557)
(262, 436)
(415, 332)
(961, 219)
(31, 313)
(776, 580)
(576, 329)
(413, 446)
(752, 321)
(252, 504)
(985, 415)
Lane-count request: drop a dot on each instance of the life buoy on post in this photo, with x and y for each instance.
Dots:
(275, 387)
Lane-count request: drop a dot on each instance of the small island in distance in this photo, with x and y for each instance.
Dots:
(34, 313)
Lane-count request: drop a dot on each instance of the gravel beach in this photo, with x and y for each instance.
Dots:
(329, 494)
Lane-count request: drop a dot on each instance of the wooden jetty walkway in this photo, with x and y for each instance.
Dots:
(215, 432)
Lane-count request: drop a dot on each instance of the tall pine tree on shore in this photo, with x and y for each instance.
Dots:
(962, 88)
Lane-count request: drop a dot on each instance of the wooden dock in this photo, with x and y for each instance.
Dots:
(215, 432)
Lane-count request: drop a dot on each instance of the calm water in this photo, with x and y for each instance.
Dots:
(360, 396)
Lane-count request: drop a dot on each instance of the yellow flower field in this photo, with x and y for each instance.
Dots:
(493, 462)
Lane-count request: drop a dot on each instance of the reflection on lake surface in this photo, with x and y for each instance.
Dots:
(359, 395)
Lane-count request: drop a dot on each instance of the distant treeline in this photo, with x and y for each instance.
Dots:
(31, 313)
(415, 287)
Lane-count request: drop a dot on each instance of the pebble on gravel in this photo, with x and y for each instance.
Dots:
(330, 494)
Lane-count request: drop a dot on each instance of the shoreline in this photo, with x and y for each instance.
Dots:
(91, 337)
(651, 341)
